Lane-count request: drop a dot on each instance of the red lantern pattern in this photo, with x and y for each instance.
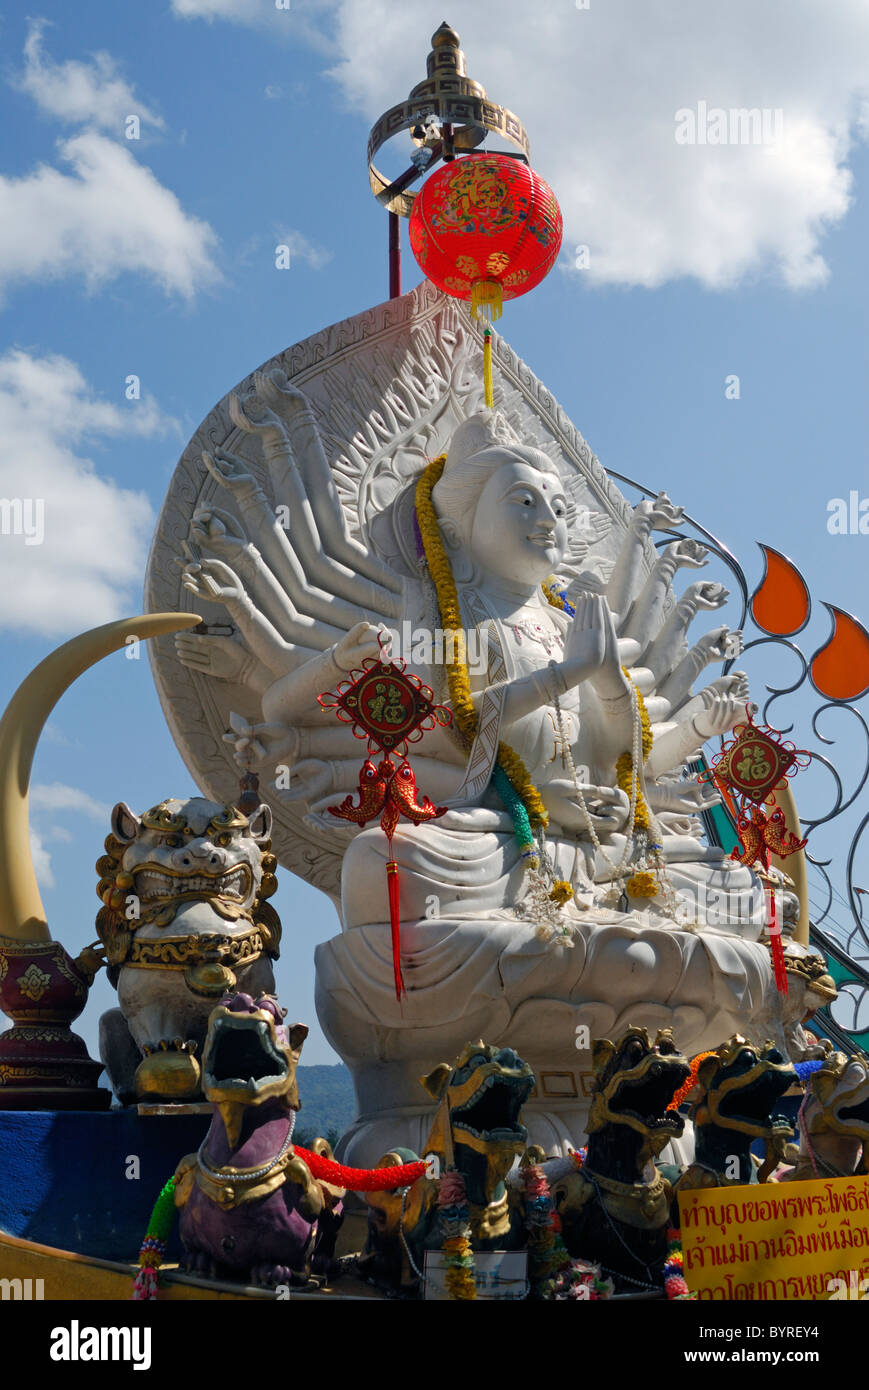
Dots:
(485, 228)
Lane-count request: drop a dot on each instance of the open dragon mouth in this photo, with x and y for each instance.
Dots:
(645, 1098)
(241, 1055)
(754, 1089)
(755, 1102)
(493, 1112)
(155, 885)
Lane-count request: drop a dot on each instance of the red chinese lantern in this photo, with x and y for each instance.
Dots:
(485, 228)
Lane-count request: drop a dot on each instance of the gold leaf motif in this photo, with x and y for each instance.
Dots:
(33, 983)
(497, 262)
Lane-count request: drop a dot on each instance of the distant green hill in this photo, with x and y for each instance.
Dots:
(328, 1101)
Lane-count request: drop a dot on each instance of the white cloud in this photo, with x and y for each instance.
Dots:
(94, 533)
(109, 216)
(85, 93)
(598, 90)
(52, 733)
(305, 21)
(41, 860)
(244, 11)
(302, 249)
(55, 798)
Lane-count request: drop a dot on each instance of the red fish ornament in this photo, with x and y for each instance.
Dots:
(391, 708)
(761, 833)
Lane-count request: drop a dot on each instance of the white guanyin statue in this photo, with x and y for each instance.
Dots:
(565, 682)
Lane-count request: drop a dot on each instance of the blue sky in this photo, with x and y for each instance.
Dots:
(156, 258)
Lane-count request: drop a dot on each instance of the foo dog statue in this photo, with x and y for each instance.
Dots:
(742, 1086)
(615, 1209)
(250, 1206)
(185, 920)
(834, 1124)
(477, 1131)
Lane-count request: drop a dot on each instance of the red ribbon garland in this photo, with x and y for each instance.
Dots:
(361, 1179)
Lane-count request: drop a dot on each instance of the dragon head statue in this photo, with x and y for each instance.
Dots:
(743, 1085)
(481, 1097)
(838, 1100)
(250, 1057)
(635, 1080)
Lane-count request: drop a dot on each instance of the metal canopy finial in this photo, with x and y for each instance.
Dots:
(461, 106)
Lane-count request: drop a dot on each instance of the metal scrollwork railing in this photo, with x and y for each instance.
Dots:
(779, 608)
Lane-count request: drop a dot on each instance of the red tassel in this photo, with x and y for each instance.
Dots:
(775, 941)
(395, 924)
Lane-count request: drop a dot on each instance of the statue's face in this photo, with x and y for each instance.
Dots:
(520, 523)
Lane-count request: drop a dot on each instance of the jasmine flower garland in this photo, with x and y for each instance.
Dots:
(455, 1223)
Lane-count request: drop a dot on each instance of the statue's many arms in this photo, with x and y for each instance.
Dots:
(309, 602)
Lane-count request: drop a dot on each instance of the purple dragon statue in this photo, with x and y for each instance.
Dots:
(249, 1205)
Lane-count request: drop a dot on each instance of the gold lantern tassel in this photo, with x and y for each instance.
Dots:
(487, 303)
(486, 299)
(487, 368)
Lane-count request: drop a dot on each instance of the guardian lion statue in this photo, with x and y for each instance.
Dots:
(184, 921)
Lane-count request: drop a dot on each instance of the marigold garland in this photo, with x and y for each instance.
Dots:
(625, 764)
(562, 892)
(642, 885)
(687, 1087)
(458, 679)
(511, 777)
(557, 598)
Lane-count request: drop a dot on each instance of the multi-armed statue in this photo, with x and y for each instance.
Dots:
(571, 679)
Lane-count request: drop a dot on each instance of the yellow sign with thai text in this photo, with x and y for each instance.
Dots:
(804, 1240)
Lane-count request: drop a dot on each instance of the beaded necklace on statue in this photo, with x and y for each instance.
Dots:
(646, 876)
(511, 778)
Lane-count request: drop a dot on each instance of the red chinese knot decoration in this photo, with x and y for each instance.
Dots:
(752, 766)
(756, 763)
(385, 704)
(390, 707)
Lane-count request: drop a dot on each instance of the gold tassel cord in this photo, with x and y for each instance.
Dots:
(487, 369)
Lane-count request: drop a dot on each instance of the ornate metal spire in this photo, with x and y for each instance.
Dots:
(458, 103)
